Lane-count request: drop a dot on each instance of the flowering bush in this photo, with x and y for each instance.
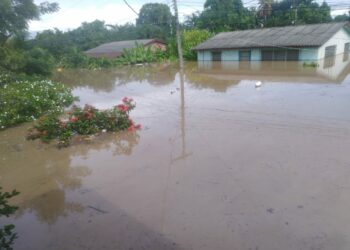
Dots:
(86, 121)
(26, 100)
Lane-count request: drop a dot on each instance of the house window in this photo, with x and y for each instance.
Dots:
(244, 55)
(280, 55)
(216, 56)
(346, 52)
(329, 56)
(267, 55)
(293, 55)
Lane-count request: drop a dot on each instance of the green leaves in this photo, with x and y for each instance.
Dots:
(15, 15)
(141, 54)
(86, 121)
(155, 21)
(7, 236)
(190, 39)
(26, 99)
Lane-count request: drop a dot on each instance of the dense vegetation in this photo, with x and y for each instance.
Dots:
(26, 99)
(228, 15)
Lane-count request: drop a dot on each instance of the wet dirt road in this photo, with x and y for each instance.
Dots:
(219, 165)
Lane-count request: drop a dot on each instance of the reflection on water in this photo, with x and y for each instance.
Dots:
(273, 160)
(51, 172)
(107, 79)
(276, 71)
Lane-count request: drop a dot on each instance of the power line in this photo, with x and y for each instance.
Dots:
(131, 7)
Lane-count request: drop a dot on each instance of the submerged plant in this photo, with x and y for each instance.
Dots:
(7, 235)
(84, 121)
(310, 64)
(141, 54)
(25, 99)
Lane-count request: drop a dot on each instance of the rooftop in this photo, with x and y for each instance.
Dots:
(313, 35)
(115, 47)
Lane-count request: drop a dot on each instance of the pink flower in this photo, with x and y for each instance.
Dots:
(123, 108)
(131, 128)
(138, 126)
(125, 99)
(73, 119)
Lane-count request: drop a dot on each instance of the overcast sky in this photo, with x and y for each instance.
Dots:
(73, 12)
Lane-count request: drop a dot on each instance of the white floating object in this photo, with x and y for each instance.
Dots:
(258, 84)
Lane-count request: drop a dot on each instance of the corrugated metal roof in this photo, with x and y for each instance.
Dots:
(118, 47)
(313, 35)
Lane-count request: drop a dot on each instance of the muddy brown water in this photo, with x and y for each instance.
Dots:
(219, 164)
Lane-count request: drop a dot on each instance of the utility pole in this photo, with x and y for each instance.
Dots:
(178, 35)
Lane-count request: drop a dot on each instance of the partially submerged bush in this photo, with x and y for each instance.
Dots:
(26, 100)
(86, 121)
(310, 64)
(7, 235)
(139, 54)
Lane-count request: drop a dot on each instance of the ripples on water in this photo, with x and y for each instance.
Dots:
(214, 155)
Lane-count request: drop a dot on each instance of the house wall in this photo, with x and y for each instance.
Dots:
(228, 55)
(339, 39)
(256, 55)
(204, 56)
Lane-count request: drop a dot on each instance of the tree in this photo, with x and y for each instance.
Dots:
(155, 21)
(190, 39)
(265, 9)
(224, 15)
(296, 12)
(15, 15)
(342, 18)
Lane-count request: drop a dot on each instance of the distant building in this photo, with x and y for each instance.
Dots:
(292, 43)
(115, 49)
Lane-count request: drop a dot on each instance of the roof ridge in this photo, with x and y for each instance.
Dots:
(309, 35)
(279, 27)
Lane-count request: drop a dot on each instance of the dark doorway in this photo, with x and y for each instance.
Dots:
(216, 56)
(244, 55)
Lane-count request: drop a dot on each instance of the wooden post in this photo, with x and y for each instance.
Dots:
(178, 35)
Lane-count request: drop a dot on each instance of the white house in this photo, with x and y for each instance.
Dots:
(292, 43)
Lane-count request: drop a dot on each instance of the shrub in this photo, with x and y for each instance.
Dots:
(310, 64)
(86, 121)
(7, 236)
(189, 39)
(39, 62)
(25, 100)
(33, 62)
(141, 54)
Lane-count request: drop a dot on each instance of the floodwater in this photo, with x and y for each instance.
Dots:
(218, 164)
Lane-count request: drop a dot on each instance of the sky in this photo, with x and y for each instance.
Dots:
(73, 12)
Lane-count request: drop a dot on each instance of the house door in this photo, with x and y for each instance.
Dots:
(244, 55)
(216, 56)
(266, 55)
(293, 55)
